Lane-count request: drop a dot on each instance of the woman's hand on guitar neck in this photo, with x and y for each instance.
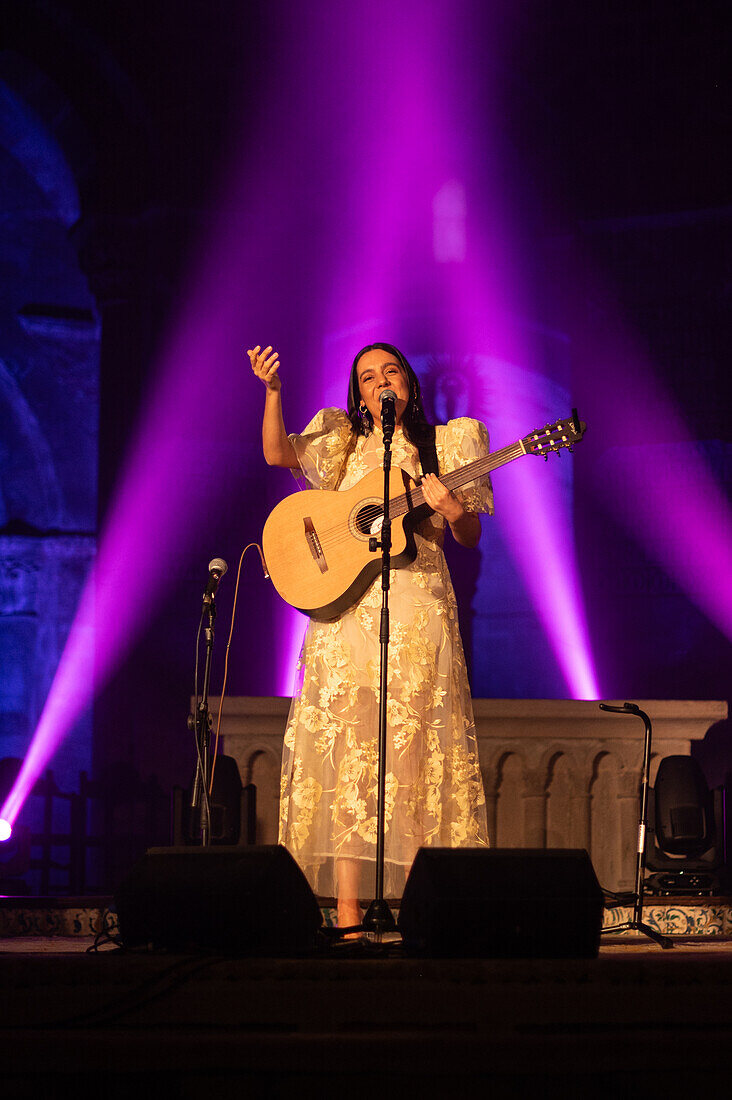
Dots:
(440, 499)
(464, 525)
(265, 364)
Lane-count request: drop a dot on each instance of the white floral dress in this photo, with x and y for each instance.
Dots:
(434, 793)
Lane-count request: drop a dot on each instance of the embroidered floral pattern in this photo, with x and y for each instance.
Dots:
(434, 793)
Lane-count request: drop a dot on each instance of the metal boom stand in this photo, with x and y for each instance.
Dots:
(636, 924)
(379, 917)
(200, 721)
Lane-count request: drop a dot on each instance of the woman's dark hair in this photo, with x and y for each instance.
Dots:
(414, 421)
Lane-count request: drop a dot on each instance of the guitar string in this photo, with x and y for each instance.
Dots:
(343, 532)
(330, 537)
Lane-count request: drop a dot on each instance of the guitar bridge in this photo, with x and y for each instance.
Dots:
(313, 542)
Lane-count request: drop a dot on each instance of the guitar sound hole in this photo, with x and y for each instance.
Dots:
(368, 519)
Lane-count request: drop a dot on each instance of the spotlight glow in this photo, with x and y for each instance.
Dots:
(414, 146)
(658, 483)
(186, 434)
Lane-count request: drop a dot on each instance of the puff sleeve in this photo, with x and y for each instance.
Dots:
(458, 443)
(322, 447)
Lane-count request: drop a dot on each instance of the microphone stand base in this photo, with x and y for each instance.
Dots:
(639, 926)
(379, 918)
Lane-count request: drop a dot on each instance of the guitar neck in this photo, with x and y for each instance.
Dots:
(474, 471)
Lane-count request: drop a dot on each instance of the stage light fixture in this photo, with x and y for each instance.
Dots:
(5, 830)
(686, 836)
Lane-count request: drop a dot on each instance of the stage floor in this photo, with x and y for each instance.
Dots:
(636, 1018)
(628, 944)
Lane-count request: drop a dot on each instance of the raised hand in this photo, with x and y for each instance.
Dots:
(265, 364)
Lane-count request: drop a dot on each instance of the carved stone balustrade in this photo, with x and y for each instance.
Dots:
(557, 773)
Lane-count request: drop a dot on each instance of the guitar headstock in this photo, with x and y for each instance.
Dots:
(555, 436)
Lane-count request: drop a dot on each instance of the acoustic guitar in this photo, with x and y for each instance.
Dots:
(319, 544)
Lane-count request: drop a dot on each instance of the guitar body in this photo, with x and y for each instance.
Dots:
(316, 542)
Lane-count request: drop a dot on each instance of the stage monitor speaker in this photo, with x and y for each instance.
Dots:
(227, 900)
(502, 902)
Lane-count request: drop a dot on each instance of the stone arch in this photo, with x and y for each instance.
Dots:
(49, 356)
(604, 824)
(76, 86)
(30, 493)
(510, 785)
(262, 768)
(559, 802)
(49, 381)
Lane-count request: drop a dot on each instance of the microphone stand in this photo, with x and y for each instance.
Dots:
(379, 917)
(636, 923)
(201, 723)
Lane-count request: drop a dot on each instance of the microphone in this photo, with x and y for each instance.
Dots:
(216, 570)
(388, 409)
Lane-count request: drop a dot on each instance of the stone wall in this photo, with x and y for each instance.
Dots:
(557, 773)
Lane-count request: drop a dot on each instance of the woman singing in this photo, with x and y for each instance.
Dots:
(434, 793)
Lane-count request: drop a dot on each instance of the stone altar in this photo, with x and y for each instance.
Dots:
(558, 773)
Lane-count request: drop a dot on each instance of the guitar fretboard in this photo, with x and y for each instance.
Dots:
(474, 471)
